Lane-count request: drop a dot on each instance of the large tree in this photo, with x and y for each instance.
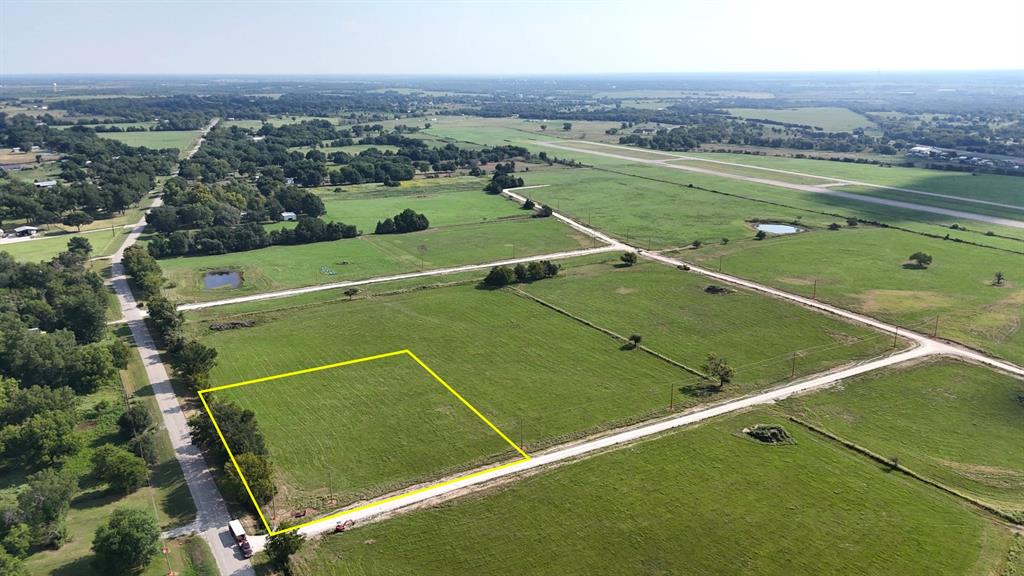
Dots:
(259, 475)
(127, 542)
(45, 438)
(241, 431)
(122, 470)
(718, 369)
(44, 502)
(194, 362)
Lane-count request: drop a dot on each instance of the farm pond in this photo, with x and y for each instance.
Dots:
(221, 278)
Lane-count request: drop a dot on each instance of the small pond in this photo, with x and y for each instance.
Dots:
(221, 278)
(778, 228)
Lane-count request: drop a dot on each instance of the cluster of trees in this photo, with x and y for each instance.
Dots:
(230, 202)
(501, 181)
(52, 324)
(241, 432)
(407, 220)
(269, 155)
(100, 177)
(54, 348)
(521, 273)
(248, 236)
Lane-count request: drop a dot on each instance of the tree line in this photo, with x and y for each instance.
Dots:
(54, 349)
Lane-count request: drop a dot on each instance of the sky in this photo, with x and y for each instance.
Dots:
(507, 38)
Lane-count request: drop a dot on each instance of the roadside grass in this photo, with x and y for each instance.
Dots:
(361, 430)
(168, 498)
(765, 340)
(828, 118)
(864, 270)
(183, 140)
(956, 423)
(698, 501)
(281, 267)
(103, 244)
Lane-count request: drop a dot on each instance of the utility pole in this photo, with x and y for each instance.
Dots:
(792, 370)
(814, 296)
(671, 397)
(895, 334)
(935, 330)
(331, 473)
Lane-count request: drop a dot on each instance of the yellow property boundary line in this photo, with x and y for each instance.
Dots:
(406, 352)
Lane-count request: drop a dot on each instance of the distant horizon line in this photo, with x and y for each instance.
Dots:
(510, 75)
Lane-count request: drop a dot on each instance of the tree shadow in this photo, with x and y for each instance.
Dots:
(76, 567)
(700, 390)
(177, 500)
(95, 498)
(914, 266)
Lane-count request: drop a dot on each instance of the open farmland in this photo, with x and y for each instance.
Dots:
(743, 507)
(831, 119)
(676, 317)
(445, 201)
(956, 423)
(340, 433)
(281, 267)
(581, 380)
(183, 140)
(990, 187)
(866, 270)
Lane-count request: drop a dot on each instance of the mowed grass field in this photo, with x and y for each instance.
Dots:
(864, 270)
(957, 423)
(282, 267)
(183, 140)
(760, 336)
(540, 376)
(468, 226)
(445, 201)
(362, 429)
(103, 244)
(828, 118)
(698, 501)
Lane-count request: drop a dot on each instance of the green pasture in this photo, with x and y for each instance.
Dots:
(828, 118)
(580, 379)
(990, 187)
(957, 423)
(463, 203)
(357, 431)
(281, 267)
(765, 340)
(183, 140)
(103, 244)
(698, 501)
(866, 270)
